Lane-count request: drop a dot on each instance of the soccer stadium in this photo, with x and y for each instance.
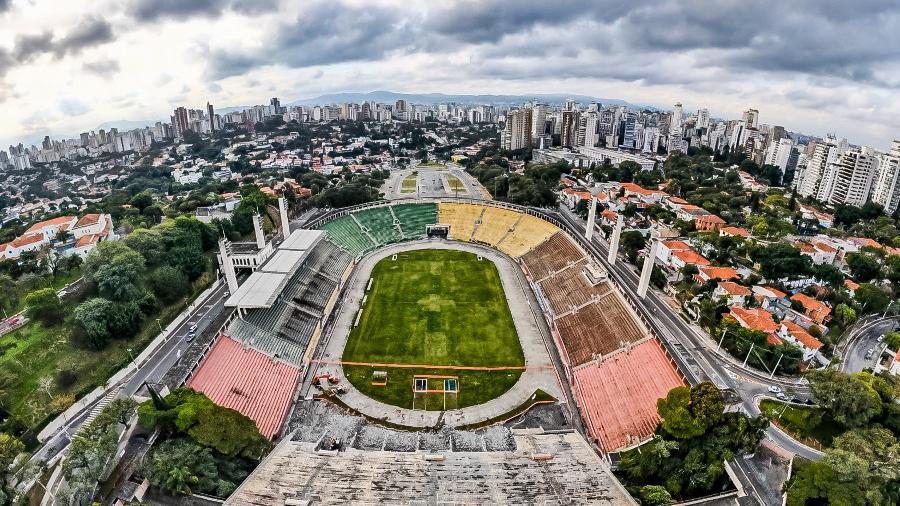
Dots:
(454, 350)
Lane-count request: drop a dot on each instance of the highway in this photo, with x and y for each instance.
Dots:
(696, 353)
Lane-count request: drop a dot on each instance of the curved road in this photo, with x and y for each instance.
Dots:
(863, 337)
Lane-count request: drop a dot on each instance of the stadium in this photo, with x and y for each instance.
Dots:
(460, 350)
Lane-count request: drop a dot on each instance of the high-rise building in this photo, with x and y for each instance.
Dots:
(587, 130)
(751, 118)
(809, 177)
(848, 180)
(179, 122)
(568, 128)
(703, 118)
(517, 132)
(677, 117)
(779, 153)
(276, 105)
(538, 120)
(211, 116)
(886, 190)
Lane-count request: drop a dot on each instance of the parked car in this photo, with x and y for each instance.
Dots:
(192, 329)
(774, 389)
(190, 337)
(781, 396)
(880, 338)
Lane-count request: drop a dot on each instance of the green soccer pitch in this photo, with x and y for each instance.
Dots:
(434, 308)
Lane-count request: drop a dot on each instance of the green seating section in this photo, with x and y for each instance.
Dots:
(380, 224)
(415, 217)
(345, 233)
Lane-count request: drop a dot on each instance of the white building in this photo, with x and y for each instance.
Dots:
(848, 180)
(779, 153)
(807, 181)
(886, 190)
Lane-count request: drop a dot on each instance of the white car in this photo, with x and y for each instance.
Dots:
(781, 396)
(774, 389)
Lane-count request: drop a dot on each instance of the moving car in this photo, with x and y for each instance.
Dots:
(774, 389)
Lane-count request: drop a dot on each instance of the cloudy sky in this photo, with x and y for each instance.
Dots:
(815, 66)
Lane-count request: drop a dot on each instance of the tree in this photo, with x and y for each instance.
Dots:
(655, 495)
(169, 283)
(689, 412)
(142, 201)
(848, 401)
(631, 242)
(828, 274)
(864, 267)
(781, 260)
(180, 467)
(9, 292)
(10, 448)
(845, 314)
(44, 305)
(871, 298)
(148, 243)
(91, 320)
(116, 270)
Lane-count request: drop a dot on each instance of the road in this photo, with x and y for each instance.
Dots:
(863, 337)
(694, 352)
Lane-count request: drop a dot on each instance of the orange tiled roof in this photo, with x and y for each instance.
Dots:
(865, 241)
(852, 285)
(676, 245)
(724, 273)
(25, 240)
(88, 220)
(54, 222)
(816, 309)
(804, 247)
(86, 240)
(733, 288)
(691, 257)
(756, 319)
(802, 335)
(735, 231)
(710, 218)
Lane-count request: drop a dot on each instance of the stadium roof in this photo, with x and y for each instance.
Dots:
(302, 239)
(263, 287)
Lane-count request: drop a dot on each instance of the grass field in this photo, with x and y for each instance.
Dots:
(435, 308)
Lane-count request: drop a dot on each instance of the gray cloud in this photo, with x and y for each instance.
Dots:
(103, 68)
(366, 33)
(4, 5)
(92, 31)
(28, 47)
(155, 10)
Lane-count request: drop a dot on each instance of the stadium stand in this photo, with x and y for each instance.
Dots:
(496, 223)
(599, 328)
(249, 382)
(415, 217)
(552, 255)
(618, 396)
(460, 217)
(379, 222)
(528, 234)
(544, 469)
(566, 292)
(345, 233)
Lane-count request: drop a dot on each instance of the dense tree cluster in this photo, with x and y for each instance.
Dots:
(535, 187)
(687, 456)
(206, 448)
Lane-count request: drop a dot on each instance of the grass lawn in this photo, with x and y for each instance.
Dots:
(433, 165)
(803, 423)
(435, 308)
(34, 352)
(409, 183)
(455, 184)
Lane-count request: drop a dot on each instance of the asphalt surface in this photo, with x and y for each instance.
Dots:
(694, 352)
(863, 337)
(430, 184)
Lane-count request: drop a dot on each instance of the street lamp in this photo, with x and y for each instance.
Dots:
(131, 355)
(159, 325)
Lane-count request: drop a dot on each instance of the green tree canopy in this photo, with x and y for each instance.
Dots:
(44, 306)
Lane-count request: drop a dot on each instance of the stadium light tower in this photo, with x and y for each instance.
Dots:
(228, 267)
(647, 270)
(614, 242)
(592, 217)
(285, 225)
(260, 236)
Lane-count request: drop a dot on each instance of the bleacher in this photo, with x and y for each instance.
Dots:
(345, 233)
(552, 255)
(415, 217)
(495, 225)
(380, 224)
(529, 233)
(618, 396)
(598, 328)
(329, 259)
(460, 217)
(567, 292)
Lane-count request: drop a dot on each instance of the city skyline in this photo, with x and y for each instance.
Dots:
(67, 68)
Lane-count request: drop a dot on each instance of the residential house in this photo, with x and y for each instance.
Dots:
(757, 319)
(733, 293)
(800, 337)
(814, 309)
(709, 272)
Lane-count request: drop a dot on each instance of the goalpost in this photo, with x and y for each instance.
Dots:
(435, 392)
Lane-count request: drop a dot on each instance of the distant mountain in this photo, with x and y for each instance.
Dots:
(441, 98)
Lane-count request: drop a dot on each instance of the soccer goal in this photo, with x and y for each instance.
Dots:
(435, 393)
